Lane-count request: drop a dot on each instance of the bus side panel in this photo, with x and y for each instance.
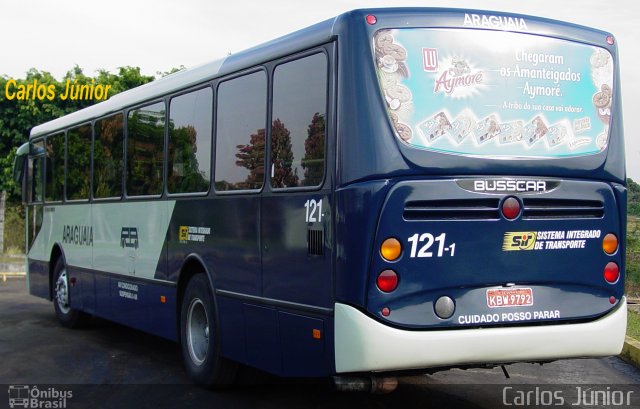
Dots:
(297, 251)
(38, 278)
(137, 304)
(37, 259)
(357, 210)
(303, 343)
(233, 342)
(263, 348)
(224, 233)
(281, 342)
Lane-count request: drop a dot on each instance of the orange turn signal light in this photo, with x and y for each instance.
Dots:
(390, 249)
(610, 243)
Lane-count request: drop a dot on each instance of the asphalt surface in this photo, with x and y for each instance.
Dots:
(106, 365)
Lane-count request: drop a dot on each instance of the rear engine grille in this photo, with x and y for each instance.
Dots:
(539, 208)
(458, 209)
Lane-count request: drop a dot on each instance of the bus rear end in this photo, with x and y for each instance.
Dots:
(487, 224)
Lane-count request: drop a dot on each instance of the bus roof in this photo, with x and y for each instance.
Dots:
(297, 41)
(302, 39)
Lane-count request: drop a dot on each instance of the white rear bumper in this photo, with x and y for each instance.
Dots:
(364, 344)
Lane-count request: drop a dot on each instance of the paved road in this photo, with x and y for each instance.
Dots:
(110, 366)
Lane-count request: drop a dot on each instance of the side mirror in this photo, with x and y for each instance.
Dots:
(20, 169)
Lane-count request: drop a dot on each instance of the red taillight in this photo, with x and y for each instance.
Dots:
(611, 272)
(610, 40)
(371, 19)
(511, 208)
(387, 281)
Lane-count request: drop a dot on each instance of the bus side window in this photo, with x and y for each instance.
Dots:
(54, 178)
(189, 167)
(78, 162)
(145, 150)
(108, 154)
(240, 133)
(298, 126)
(35, 173)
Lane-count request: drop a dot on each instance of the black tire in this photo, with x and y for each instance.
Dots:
(67, 316)
(201, 345)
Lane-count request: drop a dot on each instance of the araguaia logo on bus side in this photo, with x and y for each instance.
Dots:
(78, 235)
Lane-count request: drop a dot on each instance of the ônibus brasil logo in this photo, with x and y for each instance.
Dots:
(25, 396)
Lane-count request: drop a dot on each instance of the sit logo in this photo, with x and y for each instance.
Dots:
(183, 234)
(521, 240)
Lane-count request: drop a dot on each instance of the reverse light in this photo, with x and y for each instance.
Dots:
(444, 307)
(387, 281)
(391, 249)
(511, 208)
(611, 272)
(610, 243)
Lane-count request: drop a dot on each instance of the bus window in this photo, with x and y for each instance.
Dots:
(78, 166)
(107, 157)
(240, 132)
(145, 150)
(54, 189)
(189, 167)
(298, 125)
(36, 173)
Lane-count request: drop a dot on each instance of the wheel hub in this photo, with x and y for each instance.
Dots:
(62, 292)
(197, 331)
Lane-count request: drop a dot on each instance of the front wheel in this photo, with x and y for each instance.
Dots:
(67, 316)
(200, 337)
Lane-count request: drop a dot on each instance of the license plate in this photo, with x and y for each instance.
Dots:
(509, 297)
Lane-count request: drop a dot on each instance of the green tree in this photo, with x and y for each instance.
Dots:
(633, 197)
(313, 161)
(251, 157)
(282, 156)
(17, 117)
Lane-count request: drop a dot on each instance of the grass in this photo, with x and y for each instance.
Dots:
(633, 325)
(11, 258)
(633, 257)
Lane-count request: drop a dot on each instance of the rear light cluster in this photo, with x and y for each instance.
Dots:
(611, 271)
(610, 247)
(387, 281)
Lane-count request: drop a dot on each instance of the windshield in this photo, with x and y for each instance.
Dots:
(495, 94)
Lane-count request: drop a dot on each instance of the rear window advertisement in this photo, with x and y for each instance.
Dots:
(495, 94)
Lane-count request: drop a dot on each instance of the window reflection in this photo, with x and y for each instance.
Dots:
(240, 133)
(79, 162)
(54, 189)
(145, 150)
(107, 157)
(298, 128)
(190, 142)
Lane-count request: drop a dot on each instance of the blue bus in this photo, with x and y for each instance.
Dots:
(387, 191)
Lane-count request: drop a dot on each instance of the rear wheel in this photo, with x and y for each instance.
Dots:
(200, 337)
(67, 316)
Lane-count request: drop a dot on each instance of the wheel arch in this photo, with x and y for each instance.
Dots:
(193, 264)
(56, 253)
